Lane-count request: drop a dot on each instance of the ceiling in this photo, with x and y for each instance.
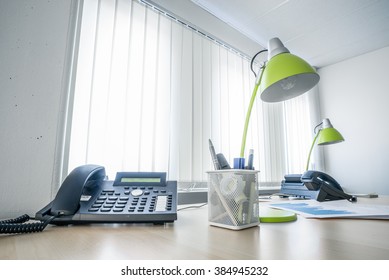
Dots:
(323, 32)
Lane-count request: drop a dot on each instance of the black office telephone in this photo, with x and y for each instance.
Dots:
(86, 196)
(314, 185)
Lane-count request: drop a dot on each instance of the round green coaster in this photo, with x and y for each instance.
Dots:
(271, 215)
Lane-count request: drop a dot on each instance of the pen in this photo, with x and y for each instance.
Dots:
(216, 163)
(251, 158)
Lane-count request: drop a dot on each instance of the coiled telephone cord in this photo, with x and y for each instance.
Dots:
(18, 225)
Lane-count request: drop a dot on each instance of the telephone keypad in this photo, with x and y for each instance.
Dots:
(132, 200)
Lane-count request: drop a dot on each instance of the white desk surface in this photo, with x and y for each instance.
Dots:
(190, 237)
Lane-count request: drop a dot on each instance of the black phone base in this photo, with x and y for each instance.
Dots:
(314, 185)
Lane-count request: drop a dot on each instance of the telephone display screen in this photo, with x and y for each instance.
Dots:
(140, 180)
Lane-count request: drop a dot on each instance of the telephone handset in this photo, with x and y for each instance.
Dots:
(67, 200)
(326, 186)
(85, 196)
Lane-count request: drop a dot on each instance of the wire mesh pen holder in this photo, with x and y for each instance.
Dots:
(232, 198)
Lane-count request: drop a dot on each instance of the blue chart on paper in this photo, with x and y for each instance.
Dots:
(313, 210)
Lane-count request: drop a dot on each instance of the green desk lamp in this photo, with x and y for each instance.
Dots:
(326, 135)
(283, 77)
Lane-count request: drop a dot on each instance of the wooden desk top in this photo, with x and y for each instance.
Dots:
(190, 237)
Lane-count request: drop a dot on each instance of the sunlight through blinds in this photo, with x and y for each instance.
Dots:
(151, 90)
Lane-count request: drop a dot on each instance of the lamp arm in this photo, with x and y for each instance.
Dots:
(246, 124)
(310, 151)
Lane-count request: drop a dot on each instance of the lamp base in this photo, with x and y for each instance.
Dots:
(271, 215)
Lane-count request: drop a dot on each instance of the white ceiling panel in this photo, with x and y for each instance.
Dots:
(321, 31)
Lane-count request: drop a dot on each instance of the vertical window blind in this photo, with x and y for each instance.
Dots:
(151, 90)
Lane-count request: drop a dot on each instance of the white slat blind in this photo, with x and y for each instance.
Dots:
(150, 91)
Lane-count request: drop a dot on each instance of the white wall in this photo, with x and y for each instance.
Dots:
(33, 50)
(354, 94)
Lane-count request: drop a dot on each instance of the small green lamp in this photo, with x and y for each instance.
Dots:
(326, 135)
(283, 77)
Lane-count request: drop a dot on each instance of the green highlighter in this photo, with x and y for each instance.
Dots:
(271, 215)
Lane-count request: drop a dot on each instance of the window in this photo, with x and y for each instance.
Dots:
(151, 90)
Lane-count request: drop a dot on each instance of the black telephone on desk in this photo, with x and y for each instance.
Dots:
(86, 196)
(314, 185)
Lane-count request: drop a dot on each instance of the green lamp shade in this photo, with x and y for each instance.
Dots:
(329, 136)
(286, 76)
